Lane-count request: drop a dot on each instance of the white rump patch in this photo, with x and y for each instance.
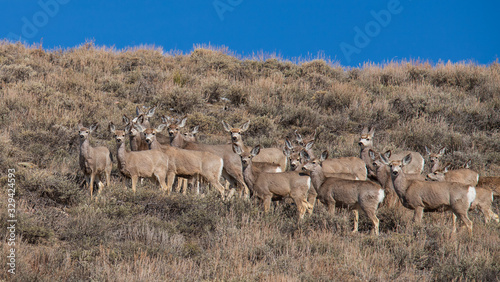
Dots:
(423, 164)
(356, 178)
(381, 195)
(309, 183)
(471, 194)
(278, 169)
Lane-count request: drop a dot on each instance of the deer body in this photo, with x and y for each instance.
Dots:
(484, 196)
(187, 163)
(490, 182)
(431, 196)
(346, 165)
(268, 155)
(269, 185)
(135, 164)
(354, 195)
(366, 143)
(93, 160)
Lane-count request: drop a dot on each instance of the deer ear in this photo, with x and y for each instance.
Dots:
(372, 131)
(427, 150)
(161, 127)
(183, 122)
(309, 145)
(79, 125)
(388, 154)
(364, 131)
(195, 129)
(286, 151)
(236, 149)
(298, 137)
(468, 164)
(442, 151)
(255, 151)
(151, 112)
(94, 127)
(245, 126)
(323, 156)
(125, 119)
(384, 159)
(447, 167)
(139, 127)
(138, 111)
(112, 128)
(305, 156)
(371, 153)
(227, 127)
(407, 159)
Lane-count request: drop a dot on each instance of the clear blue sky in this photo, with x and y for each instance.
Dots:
(348, 31)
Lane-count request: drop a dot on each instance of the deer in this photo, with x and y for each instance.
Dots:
(137, 140)
(484, 196)
(232, 170)
(267, 186)
(135, 164)
(434, 158)
(146, 114)
(269, 155)
(490, 182)
(344, 167)
(355, 195)
(93, 160)
(366, 143)
(186, 163)
(383, 176)
(431, 196)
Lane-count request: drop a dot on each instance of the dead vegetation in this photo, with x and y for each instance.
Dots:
(148, 236)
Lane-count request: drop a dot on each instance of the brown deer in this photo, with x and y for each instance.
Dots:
(267, 186)
(430, 196)
(186, 163)
(93, 160)
(434, 158)
(383, 176)
(366, 143)
(484, 195)
(490, 182)
(137, 164)
(137, 140)
(340, 166)
(355, 195)
(232, 170)
(293, 153)
(269, 155)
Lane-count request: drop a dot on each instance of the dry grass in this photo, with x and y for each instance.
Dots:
(66, 236)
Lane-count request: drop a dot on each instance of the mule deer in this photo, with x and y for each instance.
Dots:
(430, 196)
(490, 182)
(137, 139)
(268, 155)
(93, 160)
(137, 164)
(274, 185)
(383, 176)
(186, 163)
(355, 195)
(232, 170)
(366, 143)
(484, 196)
(434, 158)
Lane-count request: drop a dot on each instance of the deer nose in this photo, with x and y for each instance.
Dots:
(395, 173)
(360, 143)
(234, 138)
(148, 141)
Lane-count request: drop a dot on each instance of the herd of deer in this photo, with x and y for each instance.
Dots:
(357, 184)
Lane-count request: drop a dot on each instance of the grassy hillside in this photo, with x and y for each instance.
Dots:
(65, 235)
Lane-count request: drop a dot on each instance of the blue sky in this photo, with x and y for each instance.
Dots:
(351, 32)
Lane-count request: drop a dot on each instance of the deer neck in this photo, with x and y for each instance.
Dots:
(383, 175)
(154, 144)
(400, 184)
(435, 166)
(250, 175)
(317, 178)
(85, 149)
(120, 154)
(177, 141)
(134, 142)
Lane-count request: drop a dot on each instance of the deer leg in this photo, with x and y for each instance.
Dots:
(91, 187)
(330, 205)
(467, 222)
(108, 177)
(100, 185)
(454, 222)
(134, 179)
(267, 203)
(356, 220)
(418, 214)
(311, 199)
(372, 214)
(170, 181)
